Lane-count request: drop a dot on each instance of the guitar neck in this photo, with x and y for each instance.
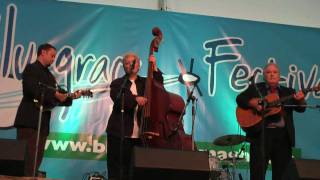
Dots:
(85, 92)
(70, 95)
(286, 98)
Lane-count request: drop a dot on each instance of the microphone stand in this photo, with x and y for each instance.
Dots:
(262, 137)
(193, 116)
(242, 150)
(43, 88)
(190, 97)
(121, 95)
(316, 106)
(39, 128)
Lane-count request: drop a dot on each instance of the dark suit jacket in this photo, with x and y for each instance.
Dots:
(243, 102)
(114, 123)
(28, 110)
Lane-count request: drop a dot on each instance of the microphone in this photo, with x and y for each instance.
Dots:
(132, 65)
(251, 78)
(240, 176)
(241, 149)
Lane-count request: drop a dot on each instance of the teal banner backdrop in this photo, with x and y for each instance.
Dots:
(91, 40)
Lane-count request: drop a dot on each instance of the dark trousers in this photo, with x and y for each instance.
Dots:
(30, 136)
(113, 157)
(277, 149)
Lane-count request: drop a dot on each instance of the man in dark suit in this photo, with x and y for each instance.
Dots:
(133, 93)
(276, 142)
(37, 80)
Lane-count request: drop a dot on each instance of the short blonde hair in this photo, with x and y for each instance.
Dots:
(130, 54)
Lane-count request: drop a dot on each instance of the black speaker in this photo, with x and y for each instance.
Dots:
(160, 164)
(12, 157)
(303, 169)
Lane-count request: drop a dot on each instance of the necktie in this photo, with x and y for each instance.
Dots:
(133, 88)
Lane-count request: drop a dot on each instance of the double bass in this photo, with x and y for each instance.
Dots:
(160, 126)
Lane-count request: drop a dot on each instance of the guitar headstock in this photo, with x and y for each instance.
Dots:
(316, 88)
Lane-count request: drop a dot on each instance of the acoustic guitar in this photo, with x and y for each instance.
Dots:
(248, 118)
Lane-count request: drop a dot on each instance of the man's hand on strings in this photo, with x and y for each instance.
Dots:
(141, 100)
(60, 96)
(153, 61)
(299, 96)
(256, 104)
